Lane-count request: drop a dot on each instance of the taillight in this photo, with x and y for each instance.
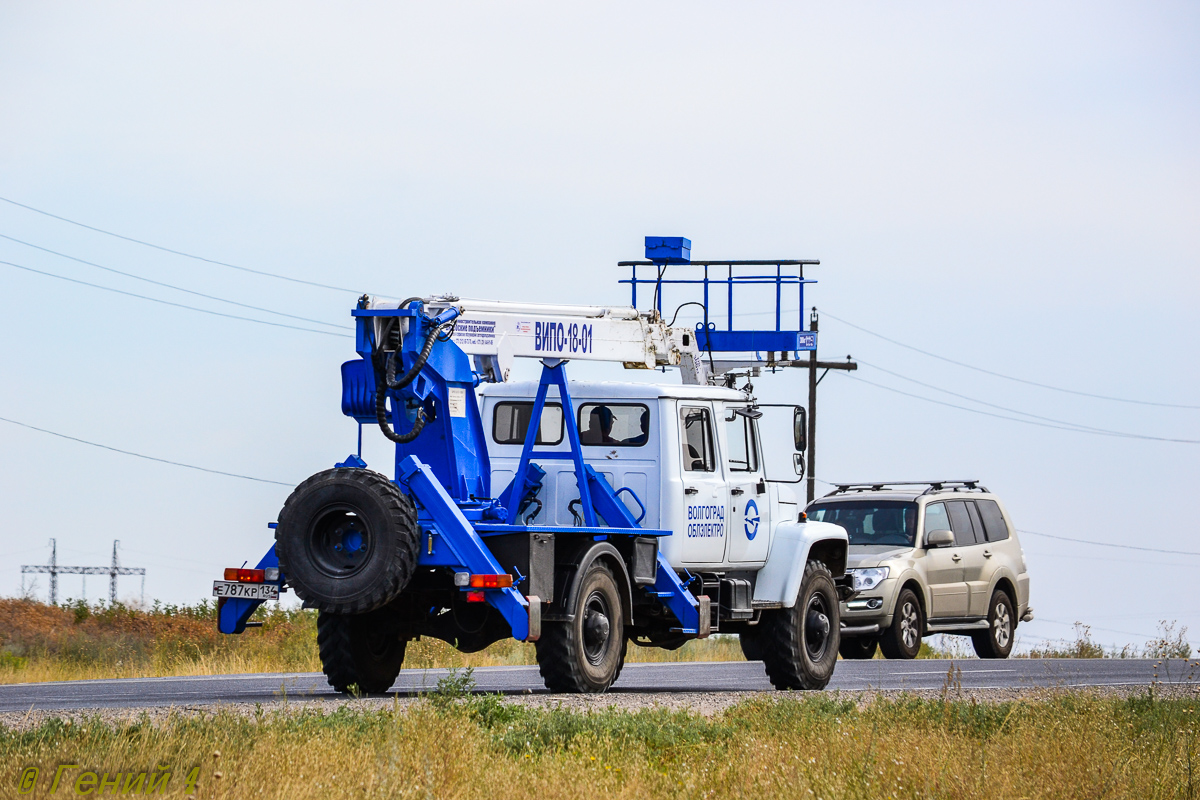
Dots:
(476, 596)
(491, 581)
(245, 575)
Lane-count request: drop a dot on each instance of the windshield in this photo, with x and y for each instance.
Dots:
(888, 522)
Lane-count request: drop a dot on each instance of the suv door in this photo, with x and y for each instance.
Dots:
(1000, 551)
(749, 506)
(948, 595)
(978, 566)
(705, 496)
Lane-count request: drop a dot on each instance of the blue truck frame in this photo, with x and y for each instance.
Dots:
(446, 469)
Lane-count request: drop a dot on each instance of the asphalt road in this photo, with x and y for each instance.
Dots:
(645, 678)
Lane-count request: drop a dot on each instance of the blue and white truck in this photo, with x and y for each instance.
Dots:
(580, 516)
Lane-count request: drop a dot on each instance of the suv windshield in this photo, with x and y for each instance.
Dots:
(890, 522)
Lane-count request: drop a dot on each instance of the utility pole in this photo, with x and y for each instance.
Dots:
(53, 572)
(813, 365)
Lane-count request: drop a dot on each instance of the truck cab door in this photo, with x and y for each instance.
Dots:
(705, 497)
(749, 507)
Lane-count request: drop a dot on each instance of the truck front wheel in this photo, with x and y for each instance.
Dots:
(800, 644)
(586, 654)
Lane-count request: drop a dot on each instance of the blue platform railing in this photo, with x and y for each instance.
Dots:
(716, 335)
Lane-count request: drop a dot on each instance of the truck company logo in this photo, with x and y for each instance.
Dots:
(705, 522)
(751, 519)
(555, 337)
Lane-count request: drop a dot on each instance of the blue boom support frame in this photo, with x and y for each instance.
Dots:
(448, 472)
(447, 469)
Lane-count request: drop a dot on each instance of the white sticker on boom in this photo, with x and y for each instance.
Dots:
(458, 402)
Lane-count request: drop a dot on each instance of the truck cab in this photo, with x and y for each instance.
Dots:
(688, 460)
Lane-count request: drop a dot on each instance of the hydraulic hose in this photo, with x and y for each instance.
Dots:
(389, 382)
(385, 426)
(411, 375)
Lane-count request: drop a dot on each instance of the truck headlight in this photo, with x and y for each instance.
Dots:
(867, 578)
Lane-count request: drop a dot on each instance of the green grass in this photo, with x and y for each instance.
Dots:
(455, 746)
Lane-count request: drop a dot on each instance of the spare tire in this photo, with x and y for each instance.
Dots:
(347, 541)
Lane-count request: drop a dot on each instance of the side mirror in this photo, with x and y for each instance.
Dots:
(939, 539)
(800, 429)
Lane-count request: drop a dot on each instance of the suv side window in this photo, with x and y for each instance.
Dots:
(993, 520)
(935, 519)
(960, 523)
(696, 430)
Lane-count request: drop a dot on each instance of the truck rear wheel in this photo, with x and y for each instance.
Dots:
(751, 645)
(347, 541)
(800, 644)
(361, 650)
(586, 654)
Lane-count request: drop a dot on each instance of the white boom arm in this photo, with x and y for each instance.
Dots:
(495, 332)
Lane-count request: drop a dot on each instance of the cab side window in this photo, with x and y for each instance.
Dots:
(510, 423)
(993, 520)
(743, 449)
(696, 435)
(935, 519)
(960, 523)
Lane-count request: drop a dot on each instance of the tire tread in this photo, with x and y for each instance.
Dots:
(403, 527)
(780, 642)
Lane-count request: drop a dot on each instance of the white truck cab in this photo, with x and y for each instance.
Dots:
(696, 457)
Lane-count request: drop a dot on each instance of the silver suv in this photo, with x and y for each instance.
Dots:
(936, 557)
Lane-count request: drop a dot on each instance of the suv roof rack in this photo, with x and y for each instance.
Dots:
(934, 486)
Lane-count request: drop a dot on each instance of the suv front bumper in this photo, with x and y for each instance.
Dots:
(870, 612)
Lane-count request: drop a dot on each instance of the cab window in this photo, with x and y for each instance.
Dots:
(742, 455)
(696, 435)
(614, 424)
(510, 423)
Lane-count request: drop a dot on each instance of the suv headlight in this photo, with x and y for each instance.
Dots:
(867, 578)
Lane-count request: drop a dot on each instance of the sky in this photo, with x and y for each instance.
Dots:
(1015, 187)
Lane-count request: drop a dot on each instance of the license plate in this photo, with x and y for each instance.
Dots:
(246, 591)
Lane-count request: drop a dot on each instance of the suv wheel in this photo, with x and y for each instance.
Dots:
(859, 647)
(903, 638)
(997, 640)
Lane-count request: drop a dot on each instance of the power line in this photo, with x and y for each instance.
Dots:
(981, 402)
(169, 303)
(1075, 428)
(141, 455)
(1090, 627)
(171, 286)
(179, 252)
(1000, 375)
(1110, 544)
(1113, 559)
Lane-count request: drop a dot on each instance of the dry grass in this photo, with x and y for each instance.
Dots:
(1070, 746)
(40, 642)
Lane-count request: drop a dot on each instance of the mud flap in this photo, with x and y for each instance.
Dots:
(704, 628)
(535, 618)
